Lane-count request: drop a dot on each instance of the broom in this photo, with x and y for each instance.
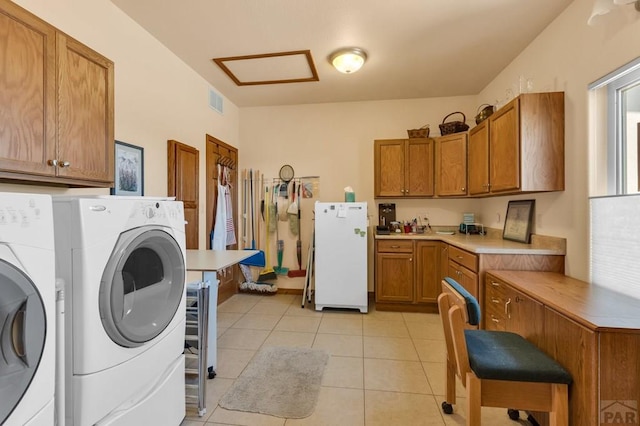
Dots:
(299, 272)
(268, 273)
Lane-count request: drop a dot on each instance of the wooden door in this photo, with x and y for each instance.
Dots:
(389, 168)
(27, 92)
(419, 173)
(85, 112)
(504, 148)
(479, 159)
(451, 165)
(218, 151)
(183, 166)
(427, 271)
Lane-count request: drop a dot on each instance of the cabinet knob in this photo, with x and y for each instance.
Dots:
(411, 259)
(463, 189)
(53, 163)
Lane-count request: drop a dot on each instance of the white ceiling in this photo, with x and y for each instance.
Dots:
(416, 48)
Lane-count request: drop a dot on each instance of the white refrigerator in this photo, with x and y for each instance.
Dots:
(341, 255)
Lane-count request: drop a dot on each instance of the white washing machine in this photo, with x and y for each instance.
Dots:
(27, 310)
(122, 260)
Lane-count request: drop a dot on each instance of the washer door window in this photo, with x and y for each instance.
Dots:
(23, 331)
(142, 286)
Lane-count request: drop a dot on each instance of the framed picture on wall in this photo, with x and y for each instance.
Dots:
(129, 173)
(518, 222)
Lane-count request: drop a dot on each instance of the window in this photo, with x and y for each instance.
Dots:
(615, 105)
(614, 180)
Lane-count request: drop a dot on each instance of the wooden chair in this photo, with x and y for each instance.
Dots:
(497, 368)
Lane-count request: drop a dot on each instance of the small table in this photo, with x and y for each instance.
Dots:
(209, 262)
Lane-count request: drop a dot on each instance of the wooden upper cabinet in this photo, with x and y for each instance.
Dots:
(56, 105)
(451, 165)
(479, 159)
(520, 148)
(85, 112)
(404, 167)
(27, 92)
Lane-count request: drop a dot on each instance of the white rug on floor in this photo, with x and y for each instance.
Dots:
(279, 381)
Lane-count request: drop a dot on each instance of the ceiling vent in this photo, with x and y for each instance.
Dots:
(216, 102)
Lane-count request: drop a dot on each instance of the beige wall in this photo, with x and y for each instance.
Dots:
(157, 96)
(335, 141)
(568, 56)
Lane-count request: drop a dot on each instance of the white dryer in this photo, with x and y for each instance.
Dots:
(27, 310)
(123, 263)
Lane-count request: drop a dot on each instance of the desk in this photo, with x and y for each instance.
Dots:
(208, 262)
(592, 331)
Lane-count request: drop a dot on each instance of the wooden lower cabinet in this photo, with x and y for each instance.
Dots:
(592, 332)
(407, 275)
(427, 284)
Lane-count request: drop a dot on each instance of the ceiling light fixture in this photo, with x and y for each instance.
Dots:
(348, 60)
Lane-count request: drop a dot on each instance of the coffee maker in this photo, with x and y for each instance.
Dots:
(386, 215)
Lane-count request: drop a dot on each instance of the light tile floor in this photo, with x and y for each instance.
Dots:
(386, 368)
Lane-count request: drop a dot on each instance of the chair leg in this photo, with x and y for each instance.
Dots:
(474, 399)
(450, 385)
(559, 415)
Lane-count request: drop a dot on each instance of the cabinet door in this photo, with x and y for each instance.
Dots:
(419, 173)
(394, 277)
(451, 165)
(575, 348)
(504, 146)
(27, 92)
(389, 168)
(465, 277)
(427, 271)
(85, 113)
(479, 159)
(525, 316)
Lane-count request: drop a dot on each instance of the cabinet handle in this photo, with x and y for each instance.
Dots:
(459, 257)
(53, 163)
(494, 300)
(495, 284)
(506, 308)
(395, 246)
(495, 320)
(65, 164)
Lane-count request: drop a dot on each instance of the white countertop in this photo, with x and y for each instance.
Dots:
(482, 244)
(213, 260)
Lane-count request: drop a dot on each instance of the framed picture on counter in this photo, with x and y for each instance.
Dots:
(129, 173)
(518, 222)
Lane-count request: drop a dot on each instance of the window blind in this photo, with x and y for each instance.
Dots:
(615, 243)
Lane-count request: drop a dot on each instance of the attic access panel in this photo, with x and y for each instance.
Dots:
(270, 68)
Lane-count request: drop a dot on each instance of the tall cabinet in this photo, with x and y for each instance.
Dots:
(56, 105)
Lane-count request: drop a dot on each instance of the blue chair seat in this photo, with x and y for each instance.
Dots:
(500, 355)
